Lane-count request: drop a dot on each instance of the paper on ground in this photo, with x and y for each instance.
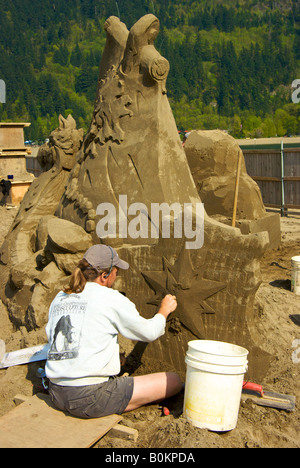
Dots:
(24, 356)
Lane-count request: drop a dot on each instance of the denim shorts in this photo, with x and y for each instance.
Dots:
(93, 401)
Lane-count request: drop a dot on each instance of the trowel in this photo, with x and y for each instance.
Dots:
(22, 356)
(274, 400)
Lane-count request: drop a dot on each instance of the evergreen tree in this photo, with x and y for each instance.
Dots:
(76, 56)
(61, 55)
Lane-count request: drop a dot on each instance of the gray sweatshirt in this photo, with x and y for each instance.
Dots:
(83, 332)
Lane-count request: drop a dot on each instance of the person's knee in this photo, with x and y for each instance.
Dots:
(174, 383)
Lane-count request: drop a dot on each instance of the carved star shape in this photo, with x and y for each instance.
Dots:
(189, 287)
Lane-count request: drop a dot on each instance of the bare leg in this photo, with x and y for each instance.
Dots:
(154, 387)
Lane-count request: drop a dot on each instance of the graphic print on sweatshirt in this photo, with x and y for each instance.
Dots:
(67, 320)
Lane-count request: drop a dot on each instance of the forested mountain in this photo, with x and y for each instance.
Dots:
(232, 61)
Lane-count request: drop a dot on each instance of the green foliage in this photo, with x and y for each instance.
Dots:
(232, 62)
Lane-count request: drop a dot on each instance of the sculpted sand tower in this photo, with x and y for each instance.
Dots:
(132, 147)
(132, 160)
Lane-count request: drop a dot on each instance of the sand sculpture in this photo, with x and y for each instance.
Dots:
(132, 159)
(27, 271)
(213, 159)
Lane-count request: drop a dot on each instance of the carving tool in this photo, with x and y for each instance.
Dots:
(274, 400)
(42, 375)
(236, 190)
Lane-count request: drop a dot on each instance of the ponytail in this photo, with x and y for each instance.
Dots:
(83, 273)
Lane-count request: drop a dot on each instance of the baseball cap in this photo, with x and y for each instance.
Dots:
(104, 257)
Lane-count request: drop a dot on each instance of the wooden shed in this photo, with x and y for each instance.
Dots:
(13, 160)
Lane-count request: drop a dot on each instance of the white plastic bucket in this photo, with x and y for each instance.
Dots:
(295, 281)
(214, 381)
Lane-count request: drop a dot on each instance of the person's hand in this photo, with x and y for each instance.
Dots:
(168, 305)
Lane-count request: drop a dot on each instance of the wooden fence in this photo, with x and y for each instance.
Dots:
(276, 169)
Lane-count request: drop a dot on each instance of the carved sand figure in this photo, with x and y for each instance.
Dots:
(213, 158)
(28, 270)
(133, 150)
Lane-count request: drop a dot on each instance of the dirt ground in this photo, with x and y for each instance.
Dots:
(258, 427)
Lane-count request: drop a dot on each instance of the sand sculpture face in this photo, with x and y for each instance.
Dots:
(132, 153)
